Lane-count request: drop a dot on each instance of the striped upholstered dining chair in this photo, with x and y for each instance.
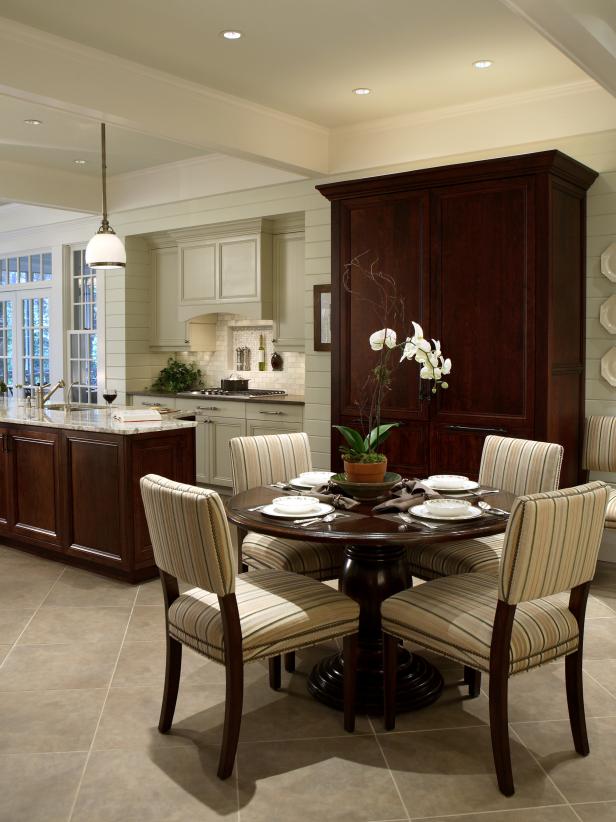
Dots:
(600, 455)
(512, 622)
(234, 619)
(512, 465)
(268, 459)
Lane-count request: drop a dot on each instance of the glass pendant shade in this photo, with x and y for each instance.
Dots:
(105, 250)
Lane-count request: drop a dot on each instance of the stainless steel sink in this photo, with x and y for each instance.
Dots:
(72, 407)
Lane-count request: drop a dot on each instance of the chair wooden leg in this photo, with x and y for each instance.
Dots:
(234, 695)
(349, 654)
(472, 678)
(274, 673)
(289, 662)
(575, 702)
(173, 667)
(499, 681)
(574, 676)
(390, 670)
(233, 717)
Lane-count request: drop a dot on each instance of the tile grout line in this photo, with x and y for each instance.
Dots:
(513, 731)
(385, 760)
(484, 813)
(36, 610)
(596, 681)
(100, 716)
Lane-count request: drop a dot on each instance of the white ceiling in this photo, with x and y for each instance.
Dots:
(64, 137)
(305, 56)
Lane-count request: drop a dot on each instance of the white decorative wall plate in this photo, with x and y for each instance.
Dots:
(607, 314)
(608, 366)
(608, 262)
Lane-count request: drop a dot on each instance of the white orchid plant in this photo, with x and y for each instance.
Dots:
(360, 447)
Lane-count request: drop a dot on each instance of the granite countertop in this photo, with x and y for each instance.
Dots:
(92, 419)
(289, 399)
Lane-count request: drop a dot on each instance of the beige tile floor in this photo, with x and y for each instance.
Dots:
(82, 661)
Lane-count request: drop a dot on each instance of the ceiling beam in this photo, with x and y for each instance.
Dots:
(584, 30)
(101, 86)
(38, 185)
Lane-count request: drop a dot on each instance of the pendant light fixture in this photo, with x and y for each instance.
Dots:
(105, 249)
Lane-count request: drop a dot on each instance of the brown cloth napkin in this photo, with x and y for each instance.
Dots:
(405, 494)
(329, 492)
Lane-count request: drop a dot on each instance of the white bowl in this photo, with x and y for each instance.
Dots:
(447, 507)
(295, 504)
(316, 477)
(451, 481)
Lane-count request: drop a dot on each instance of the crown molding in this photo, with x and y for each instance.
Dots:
(488, 104)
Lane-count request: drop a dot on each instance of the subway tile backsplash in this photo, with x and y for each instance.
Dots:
(219, 364)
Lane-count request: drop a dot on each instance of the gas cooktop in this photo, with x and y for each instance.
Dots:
(221, 392)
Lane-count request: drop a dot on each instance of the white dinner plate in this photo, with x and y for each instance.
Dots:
(298, 482)
(423, 512)
(466, 485)
(318, 511)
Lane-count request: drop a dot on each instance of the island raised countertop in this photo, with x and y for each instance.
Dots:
(69, 484)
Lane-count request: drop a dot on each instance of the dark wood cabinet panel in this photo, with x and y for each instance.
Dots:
(394, 236)
(492, 263)
(483, 298)
(96, 501)
(172, 458)
(5, 479)
(36, 495)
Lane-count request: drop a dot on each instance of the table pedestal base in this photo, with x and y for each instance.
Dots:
(419, 684)
(371, 574)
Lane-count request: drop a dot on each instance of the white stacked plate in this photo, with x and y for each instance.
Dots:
(318, 511)
(423, 512)
(308, 479)
(450, 483)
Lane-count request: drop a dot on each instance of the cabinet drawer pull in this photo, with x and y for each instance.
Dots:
(273, 413)
(479, 428)
(151, 404)
(208, 408)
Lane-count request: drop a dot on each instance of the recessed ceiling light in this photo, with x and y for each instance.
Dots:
(361, 91)
(231, 34)
(33, 122)
(482, 64)
(80, 162)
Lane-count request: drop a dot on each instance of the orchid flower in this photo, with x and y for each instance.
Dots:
(386, 336)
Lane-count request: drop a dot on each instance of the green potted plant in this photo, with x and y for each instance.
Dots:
(177, 376)
(363, 460)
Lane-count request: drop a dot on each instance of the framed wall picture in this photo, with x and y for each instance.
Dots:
(322, 317)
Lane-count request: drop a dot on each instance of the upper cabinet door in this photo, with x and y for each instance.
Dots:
(483, 301)
(289, 286)
(239, 269)
(197, 273)
(167, 330)
(390, 232)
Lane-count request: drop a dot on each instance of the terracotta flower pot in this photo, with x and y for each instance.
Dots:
(365, 471)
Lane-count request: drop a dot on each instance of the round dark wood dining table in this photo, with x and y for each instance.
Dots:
(372, 549)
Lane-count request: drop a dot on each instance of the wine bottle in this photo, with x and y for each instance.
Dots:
(261, 353)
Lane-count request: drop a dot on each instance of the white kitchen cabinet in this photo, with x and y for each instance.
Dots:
(153, 401)
(219, 454)
(198, 272)
(168, 333)
(259, 428)
(289, 288)
(225, 267)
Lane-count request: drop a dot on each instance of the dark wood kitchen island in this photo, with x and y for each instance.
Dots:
(69, 485)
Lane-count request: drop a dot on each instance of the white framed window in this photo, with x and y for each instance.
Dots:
(30, 317)
(83, 334)
(6, 342)
(35, 332)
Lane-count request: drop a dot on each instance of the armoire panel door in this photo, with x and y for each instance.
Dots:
(483, 297)
(390, 232)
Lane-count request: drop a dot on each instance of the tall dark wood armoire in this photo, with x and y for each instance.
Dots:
(490, 257)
